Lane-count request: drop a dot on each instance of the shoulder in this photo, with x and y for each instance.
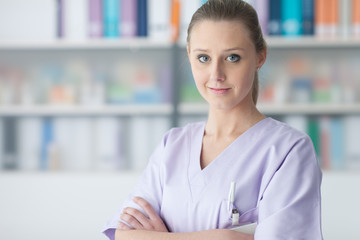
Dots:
(280, 142)
(177, 134)
(277, 131)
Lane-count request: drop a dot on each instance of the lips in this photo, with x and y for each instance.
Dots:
(219, 91)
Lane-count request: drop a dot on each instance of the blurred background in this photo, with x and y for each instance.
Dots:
(88, 88)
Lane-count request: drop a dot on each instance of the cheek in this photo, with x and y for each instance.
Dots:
(199, 76)
(246, 78)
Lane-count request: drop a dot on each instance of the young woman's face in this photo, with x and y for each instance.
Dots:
(223, 61)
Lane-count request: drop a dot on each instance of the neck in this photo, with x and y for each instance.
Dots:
(232, 122)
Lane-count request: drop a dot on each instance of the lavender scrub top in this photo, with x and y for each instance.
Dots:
(277, 183)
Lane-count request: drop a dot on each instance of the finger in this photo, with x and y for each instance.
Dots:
(139, 216)
(132, 221)
(149, 210)
(123, 226)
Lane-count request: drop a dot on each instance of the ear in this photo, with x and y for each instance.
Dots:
(261, 58)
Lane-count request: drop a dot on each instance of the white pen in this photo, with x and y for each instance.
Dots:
(231, 198)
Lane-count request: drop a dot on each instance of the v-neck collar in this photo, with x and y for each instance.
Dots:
(199, 178)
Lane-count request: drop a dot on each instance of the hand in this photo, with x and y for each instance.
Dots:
(137, 220)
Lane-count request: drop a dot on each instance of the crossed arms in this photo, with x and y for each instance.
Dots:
(153, 228)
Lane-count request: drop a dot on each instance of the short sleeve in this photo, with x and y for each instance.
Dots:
(290, 206)
(149, 187)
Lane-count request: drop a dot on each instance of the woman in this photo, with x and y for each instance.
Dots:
(271, 168)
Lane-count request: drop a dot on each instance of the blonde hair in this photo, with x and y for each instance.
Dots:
(233, 10)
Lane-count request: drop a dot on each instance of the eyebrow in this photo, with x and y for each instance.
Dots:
(226, 50)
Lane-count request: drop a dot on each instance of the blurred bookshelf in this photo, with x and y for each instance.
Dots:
(64, 82)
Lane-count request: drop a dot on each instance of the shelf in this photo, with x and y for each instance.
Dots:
(122, 110)
(282, 109)
(282, 42)
(101, 44)
(311, 42)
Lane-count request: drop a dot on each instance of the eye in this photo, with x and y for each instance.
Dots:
(233, 58)
(203, 58)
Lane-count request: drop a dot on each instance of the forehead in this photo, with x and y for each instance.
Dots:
(220, 33)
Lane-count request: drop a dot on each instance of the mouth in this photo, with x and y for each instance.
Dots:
(219, 91)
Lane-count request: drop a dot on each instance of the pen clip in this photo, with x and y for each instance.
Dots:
(231, 197)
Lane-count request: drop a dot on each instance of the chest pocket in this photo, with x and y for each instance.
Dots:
(225, 216)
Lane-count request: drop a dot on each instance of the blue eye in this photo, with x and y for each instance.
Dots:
(203, 58)
(233, 58)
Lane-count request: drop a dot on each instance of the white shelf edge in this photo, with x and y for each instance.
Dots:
(281, 42)
(124, 110)
(311, 41)
(125, 43)
(282, 109)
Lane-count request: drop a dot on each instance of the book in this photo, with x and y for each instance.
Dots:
(326, 18)
(95, 19)
(62, 148)
(188, 8)
(325, 142)
(28, 20)
(75, 19)
(29, 143)
(108, 144)
(139, 141)
(274, 25)
(60, 18)
(175, 20)
(46, 141)
(262, 8)
(159, 19)
(314, 133)
(10, 143)
(291, 18)
(345, 8)
(337, 143)
(82, 139)
(308, 17)
(111, 16)
(351, 135)
(356, 18)
(128, 18)
(142, 18)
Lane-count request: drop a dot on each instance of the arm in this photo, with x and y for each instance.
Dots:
(149, 187)
(152, 227)
(216, 234)
(290, 205)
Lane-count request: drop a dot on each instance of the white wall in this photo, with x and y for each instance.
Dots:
(70, 206)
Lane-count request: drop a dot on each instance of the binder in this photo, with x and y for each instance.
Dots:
(95, 19)
(111, 12)
(128, 20)
(308, 17)
(274, 26)
(291, 18)
(142, 18)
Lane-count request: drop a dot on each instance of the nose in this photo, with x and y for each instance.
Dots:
(217, 72)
